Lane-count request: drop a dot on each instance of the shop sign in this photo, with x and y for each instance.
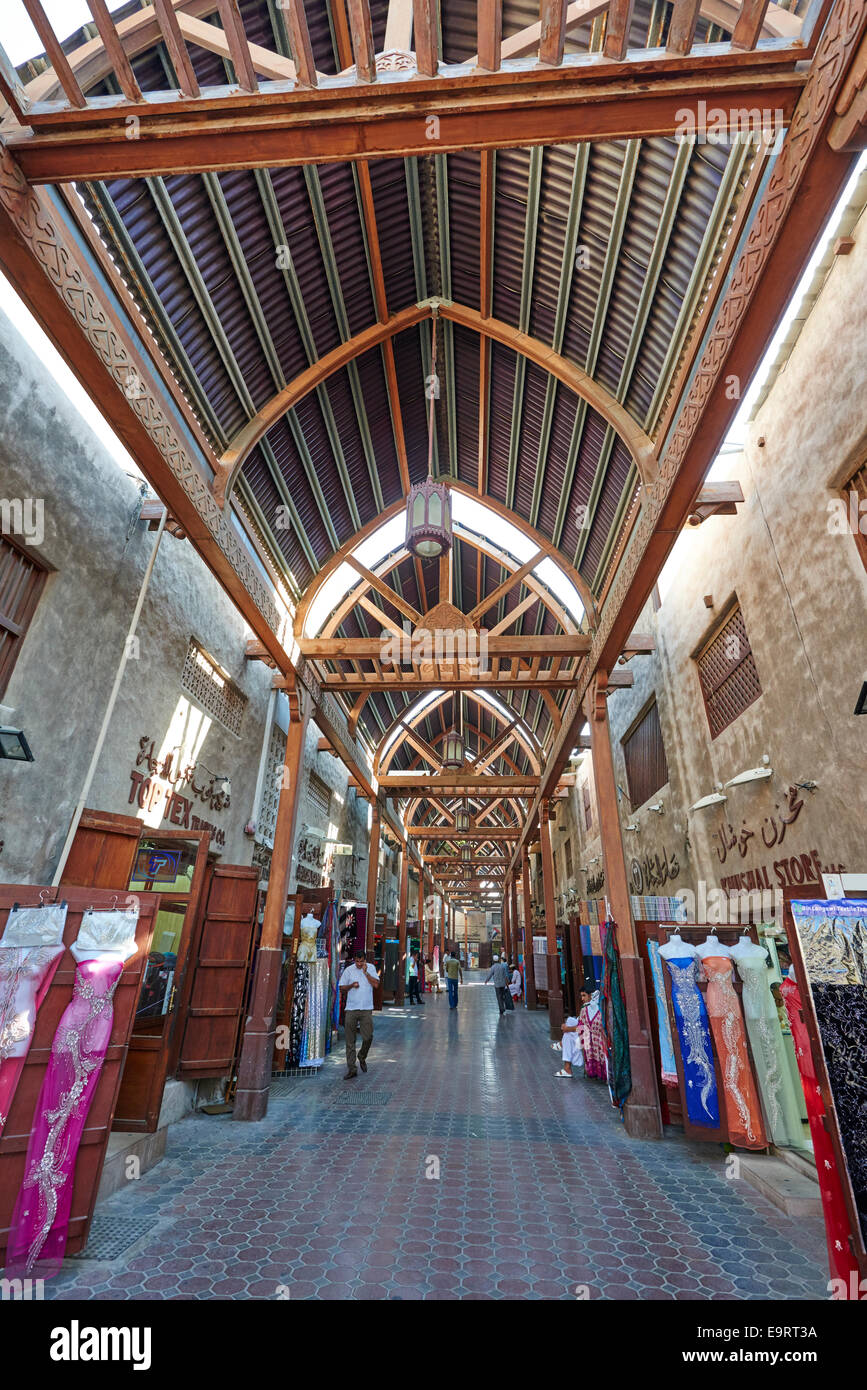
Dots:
(155, 789)
(653, 872)
(790, 870)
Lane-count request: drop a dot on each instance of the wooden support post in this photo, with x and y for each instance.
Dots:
(504, 918)
(257, 1047)
(401, 930)
(641, 1113)
(555, 989)
(513, 917)
(529, 967)
(373, 874)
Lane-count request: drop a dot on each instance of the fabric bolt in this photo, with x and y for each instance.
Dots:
(743, 1111)
(841, 1260)
(41, 1217)
(297, 1016)
(614, 1016)
(668, 1065)
(693, 1031)
(316, 1014)
(776, 1087)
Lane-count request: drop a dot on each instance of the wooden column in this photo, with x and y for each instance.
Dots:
(529, 965)
(257, 1046)
(513, 918)
(555, 990)
(641, 1112)
(401, 931)
(507, 921)
(373, 874)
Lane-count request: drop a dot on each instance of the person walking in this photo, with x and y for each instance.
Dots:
(453, 973)
(501, 976)
(356, 983)
(414, 995)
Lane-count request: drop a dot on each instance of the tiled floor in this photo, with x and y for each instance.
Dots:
(457, 1168)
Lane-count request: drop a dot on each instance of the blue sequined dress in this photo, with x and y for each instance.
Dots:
(693, 1031)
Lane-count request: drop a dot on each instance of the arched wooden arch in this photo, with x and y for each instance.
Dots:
(487, 546)
(523, 734)
(636, 440)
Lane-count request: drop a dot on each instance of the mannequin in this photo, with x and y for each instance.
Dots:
(309, 931)
(675, 946)
(712, 946)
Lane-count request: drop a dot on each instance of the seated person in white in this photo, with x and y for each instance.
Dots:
(570, 1047)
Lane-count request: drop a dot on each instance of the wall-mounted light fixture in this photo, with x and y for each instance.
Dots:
(713, 799)
(14, 745)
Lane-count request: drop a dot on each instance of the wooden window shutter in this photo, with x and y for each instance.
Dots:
(727, 673)
(22, 579)
(644, 755)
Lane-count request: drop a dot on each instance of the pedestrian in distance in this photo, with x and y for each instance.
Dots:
(453, 974)
(357, 984)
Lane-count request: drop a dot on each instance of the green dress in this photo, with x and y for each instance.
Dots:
(779, 1099)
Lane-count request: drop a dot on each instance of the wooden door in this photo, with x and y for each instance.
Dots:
(166, 859)
(104, 850)
(91, 1153)
(214, 992)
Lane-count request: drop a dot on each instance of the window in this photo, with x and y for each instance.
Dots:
(320, 793)
(567, 850)
(727, 672)
(212, 689)
(856, 510)
(588, 810)
(22, 579)
(644, 755)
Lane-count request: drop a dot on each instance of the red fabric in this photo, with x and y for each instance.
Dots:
(840, 1258)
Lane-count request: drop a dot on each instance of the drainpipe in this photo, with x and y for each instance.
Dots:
(109, 709)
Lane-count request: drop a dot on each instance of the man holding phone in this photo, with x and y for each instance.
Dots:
(356, 983)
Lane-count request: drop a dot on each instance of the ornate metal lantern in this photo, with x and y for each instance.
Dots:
(453, 751)
(466, 854)
(462, 818)
(428, 519)
(428, 505)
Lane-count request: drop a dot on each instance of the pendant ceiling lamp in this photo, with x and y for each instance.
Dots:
(462, 818)
(428, 506)
(466, 854)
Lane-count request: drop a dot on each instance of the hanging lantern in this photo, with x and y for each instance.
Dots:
(462, 820)
(428, 519)
(467, 854)
(428, 506)
(453, 751)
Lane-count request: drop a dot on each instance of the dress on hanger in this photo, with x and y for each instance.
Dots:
(779, 1099)
(743, 1111)
(30, 952)
(668, 1066)
(690, 1016)
(591, 1036)
(40, 1221)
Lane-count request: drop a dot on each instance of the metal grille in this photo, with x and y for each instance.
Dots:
(110, 1237)
(644, 755)
(567, 850)
(320, 793)
(271, 789)
(363, 1098)
(216, 693)
(21, 581)
(727, 672)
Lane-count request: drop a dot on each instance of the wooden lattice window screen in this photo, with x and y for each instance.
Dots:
(22, 579)
(320, 793)
(568, 852)
(644, 756)
(727, 673)
(216, 693)
(858, 484)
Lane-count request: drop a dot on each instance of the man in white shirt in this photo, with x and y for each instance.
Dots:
(356, 983)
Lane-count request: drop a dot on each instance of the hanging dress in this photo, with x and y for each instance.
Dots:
(743, 1111)
(668, 1066)
(779, 1099)
(591, 1035)
(690, 1016)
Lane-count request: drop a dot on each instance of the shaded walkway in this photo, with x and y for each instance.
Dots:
(540, 1190)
